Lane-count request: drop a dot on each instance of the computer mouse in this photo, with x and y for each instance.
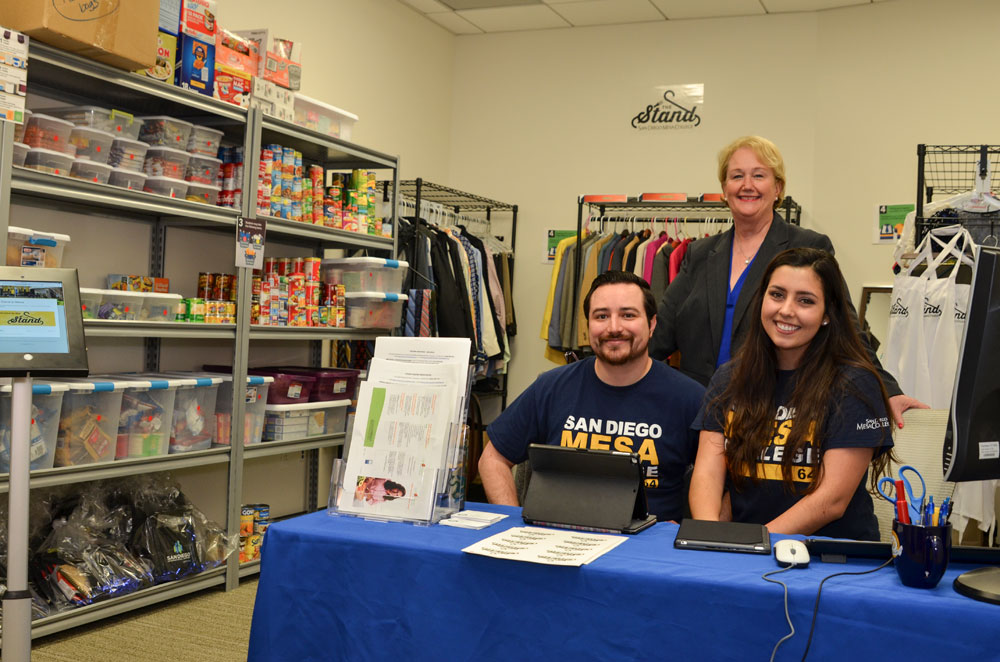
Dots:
(791, 552)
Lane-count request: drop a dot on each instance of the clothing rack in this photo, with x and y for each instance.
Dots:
(656, 206)
(449, 206)
(954, 169)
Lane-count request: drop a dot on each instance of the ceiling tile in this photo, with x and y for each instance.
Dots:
(776, 6)
(454, 23)
(678, 9)
(426, 6)
(509, 19)
(608, 12)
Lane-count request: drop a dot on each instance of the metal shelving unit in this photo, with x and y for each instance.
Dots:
(954, 169)
(74, 80)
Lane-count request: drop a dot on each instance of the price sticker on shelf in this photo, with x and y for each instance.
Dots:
(250, 242)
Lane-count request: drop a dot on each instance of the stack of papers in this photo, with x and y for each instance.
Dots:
(548, 546)
(472, 519)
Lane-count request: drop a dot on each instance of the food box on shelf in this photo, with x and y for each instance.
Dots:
(124, 178)
(366, 274)
(91, 144)
(324, 118)
(46, 405)
(374, 310)
(166, 55)
(47, 160)
(138, 283)
(193, 427)
(33, 248)
(121, 34)
(90, 171)
(194, 66)
(305, 420)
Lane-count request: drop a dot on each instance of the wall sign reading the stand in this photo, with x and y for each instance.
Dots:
(673, 107)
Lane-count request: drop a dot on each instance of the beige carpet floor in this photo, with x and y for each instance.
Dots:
(209, 626)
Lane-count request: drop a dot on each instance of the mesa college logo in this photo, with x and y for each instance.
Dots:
(676, 109)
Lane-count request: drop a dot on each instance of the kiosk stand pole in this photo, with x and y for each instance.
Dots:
(17, 600)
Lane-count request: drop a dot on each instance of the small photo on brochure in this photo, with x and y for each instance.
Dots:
(373, 490)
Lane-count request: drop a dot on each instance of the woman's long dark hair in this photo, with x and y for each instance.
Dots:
(749, 399)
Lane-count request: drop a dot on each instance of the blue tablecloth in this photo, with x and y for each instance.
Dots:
(343, 588)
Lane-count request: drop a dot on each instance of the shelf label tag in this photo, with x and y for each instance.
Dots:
(250, 242)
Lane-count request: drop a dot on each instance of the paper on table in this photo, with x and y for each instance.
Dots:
(462, 523)
(547, 546)
(423, 350)
(479, 515)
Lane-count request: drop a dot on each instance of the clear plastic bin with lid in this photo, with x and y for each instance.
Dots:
(146, 415)
(193, 426)
(366, 274)
(46, 405)
(88, 422)
(255, 398)
(305, 420)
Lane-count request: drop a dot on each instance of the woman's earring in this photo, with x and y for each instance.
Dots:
(825, 322)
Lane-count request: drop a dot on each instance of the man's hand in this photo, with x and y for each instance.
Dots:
(902, 402)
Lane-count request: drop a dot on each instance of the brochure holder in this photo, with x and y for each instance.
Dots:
(436, 490)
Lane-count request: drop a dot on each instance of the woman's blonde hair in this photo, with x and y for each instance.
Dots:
(765, 150)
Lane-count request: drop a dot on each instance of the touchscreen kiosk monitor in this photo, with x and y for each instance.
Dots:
(972, 440)
(41, 324)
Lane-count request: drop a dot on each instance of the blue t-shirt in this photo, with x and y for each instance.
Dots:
(571, 406)
(856, 418)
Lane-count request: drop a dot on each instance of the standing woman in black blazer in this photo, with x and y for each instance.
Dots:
(703, 314)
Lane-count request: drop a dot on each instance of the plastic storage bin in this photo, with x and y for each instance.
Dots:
(204, 140)
(90, 171)
(114, 122)
(20, 152)
(123, 178)
(145, 421)
(91, 144)
(324, 118)
(203, 169)
(374, 310)
(166, 131)
(48, 132)
(165, 162)
(193, 427)
(19, 128)
(46, 404)
(306, 420)
(90, 302)
(31, 248)
(47, 160)
(288, 388)
(168, 186)
(88, 423)
(255, 399)
(120, 305)
(205, 193)
(366, 274)
(331, 383)
(159, 306)
(128, 154)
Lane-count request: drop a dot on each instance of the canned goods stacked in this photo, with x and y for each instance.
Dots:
(333, 203)
(215, 302)
(265, 181)
(289, 293)
(316, 200)
(231, 177)
(254, 520)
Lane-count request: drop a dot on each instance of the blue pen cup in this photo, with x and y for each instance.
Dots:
(921, 553)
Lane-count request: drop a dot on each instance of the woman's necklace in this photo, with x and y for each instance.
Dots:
(746, 260)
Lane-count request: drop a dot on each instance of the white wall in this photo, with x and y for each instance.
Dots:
(542, 117)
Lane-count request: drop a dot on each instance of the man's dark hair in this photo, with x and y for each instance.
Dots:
(612, 277)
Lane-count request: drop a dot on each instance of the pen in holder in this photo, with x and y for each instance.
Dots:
(921, 553)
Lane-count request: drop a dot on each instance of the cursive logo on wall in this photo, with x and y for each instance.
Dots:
(669, 113)
(85, 10)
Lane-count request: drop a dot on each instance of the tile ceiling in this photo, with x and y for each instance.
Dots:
(480, 16)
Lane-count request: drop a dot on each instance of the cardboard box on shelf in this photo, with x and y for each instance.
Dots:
(279, 60)
(166, 55)
(195, 65)
(170, 16)
(236, 52)
(232, 85)
(121, 34)
(198, 19)
(135, 283)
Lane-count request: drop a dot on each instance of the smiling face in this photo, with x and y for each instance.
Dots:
(619, 328)
(750, 188)
(793, 312)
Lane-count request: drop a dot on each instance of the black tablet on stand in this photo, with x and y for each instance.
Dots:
(574, 488)
(41, 333)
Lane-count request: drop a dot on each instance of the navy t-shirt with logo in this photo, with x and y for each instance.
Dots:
(571, 406)
(856, 418)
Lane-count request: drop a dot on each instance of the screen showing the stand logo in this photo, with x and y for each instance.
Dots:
(32, 317)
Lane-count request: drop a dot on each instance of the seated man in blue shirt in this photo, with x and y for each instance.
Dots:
(619, 400)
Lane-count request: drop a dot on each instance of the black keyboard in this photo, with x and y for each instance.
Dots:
(864, 549)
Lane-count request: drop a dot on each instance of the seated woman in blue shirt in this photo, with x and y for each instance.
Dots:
(790, 427)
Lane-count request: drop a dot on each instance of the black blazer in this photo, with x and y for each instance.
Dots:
(693, 308)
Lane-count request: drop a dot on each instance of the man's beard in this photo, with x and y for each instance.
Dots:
(620, 357)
